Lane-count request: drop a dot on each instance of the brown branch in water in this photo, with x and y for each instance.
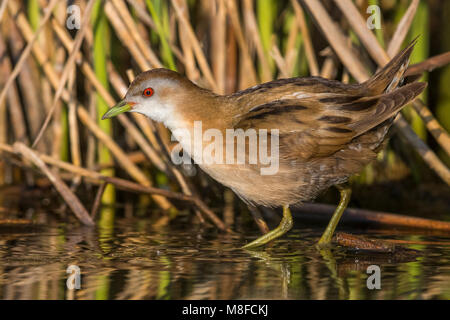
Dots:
(360, 243)
(69, 197)
(381, 246)
(324, 211)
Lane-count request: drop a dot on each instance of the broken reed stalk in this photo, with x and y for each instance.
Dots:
(69, 197)
(423, 150)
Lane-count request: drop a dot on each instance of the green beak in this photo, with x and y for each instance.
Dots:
(119, 108)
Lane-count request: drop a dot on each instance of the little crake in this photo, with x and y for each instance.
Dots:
(327, 130)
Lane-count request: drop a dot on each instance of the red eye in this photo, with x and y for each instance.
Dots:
(148, 92)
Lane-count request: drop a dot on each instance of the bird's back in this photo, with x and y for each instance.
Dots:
(327, 130)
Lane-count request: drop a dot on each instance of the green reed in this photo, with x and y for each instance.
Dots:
(101, 50)
(159, 11)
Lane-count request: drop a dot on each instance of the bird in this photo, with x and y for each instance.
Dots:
(325, 131)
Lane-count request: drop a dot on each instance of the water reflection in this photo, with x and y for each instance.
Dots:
(136, 261)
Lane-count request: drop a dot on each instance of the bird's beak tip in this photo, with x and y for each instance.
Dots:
(119, 108)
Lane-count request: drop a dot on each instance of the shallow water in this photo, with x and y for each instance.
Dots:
(136, 261)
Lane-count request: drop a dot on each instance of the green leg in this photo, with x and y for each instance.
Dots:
(346, 192)
(285, 225)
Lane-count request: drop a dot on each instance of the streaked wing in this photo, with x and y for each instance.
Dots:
(320, 123)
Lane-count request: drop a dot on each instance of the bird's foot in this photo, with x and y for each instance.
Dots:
(285, 225)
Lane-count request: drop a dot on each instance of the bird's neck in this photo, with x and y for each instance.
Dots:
(197, 114)
(211, 110)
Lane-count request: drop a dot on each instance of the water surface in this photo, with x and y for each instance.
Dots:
(136, 261)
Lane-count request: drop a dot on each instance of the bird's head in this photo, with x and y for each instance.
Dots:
(155, 93)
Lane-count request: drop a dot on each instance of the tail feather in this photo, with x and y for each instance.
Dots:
(387, 106)
(391, 75)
